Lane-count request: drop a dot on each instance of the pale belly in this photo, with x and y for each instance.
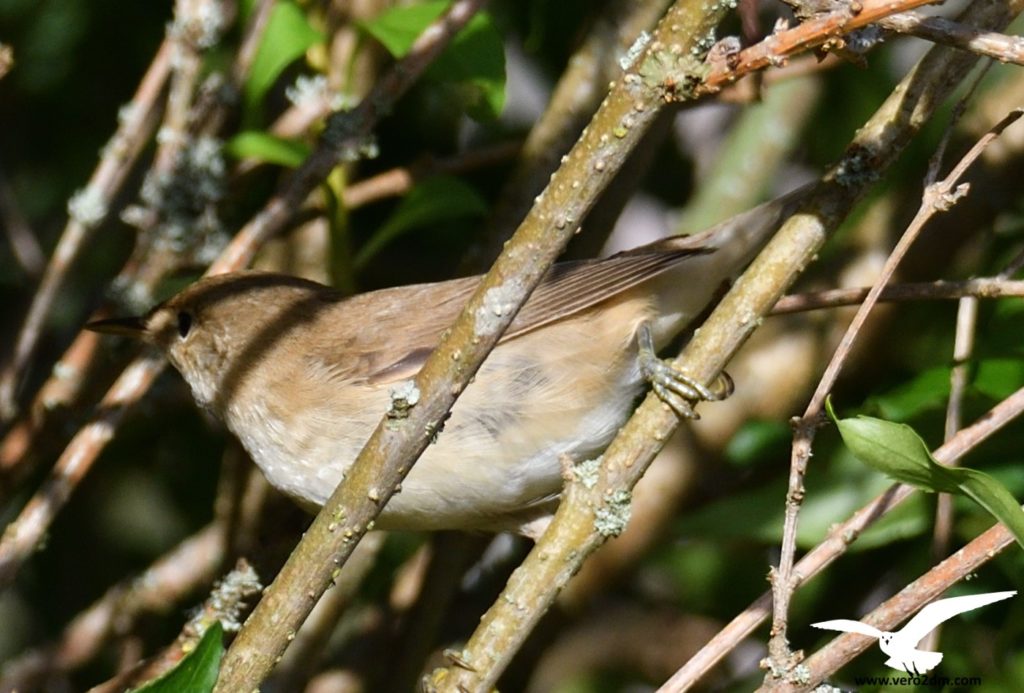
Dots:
(537, 401)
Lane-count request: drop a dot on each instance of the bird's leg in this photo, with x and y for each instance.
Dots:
(675, 388)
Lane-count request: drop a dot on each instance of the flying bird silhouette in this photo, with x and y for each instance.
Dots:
(901, 646)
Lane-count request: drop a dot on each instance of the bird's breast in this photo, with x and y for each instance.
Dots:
(564, 389)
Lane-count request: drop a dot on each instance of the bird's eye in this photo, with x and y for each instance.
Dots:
(184, 323)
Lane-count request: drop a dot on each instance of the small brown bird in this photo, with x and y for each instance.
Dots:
(302, 375)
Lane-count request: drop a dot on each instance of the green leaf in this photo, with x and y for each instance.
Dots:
(436, 199)
(398, 27)
(287, 37)
(897, 451)
(474, 61)
(266, 147)
(197, 671)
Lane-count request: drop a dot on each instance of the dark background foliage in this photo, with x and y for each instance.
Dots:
(78, 62)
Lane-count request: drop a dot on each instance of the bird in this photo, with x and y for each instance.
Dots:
(901, 646)
(301, 374)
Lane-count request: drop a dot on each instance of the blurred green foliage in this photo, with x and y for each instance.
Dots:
(78, 61)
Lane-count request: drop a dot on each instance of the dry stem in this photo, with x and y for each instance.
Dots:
(836, 543)
(24, 534)
(1006, 49)
(86, 211)
(994, 287)
(659, 76)
(938, 197)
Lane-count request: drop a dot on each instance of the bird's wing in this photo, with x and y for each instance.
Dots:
(571, 287)
(568, 288)
(928, 618)
(847, 626)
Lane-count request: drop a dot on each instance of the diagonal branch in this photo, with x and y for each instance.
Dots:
(837, 542)
(24, 534)
(86, 210)
(937, 197)
(777, 48)
(998, 46)
(664, 73)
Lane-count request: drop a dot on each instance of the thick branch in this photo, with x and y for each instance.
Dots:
(661, 75)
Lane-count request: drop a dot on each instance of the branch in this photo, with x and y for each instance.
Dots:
(86, 210)
(837, 542)
(916, 291)
(938, 197)
(1005, 49)
(25, 533)
(776, 49)
(664, 73)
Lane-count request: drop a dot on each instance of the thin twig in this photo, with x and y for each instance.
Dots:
(190, 565)
(258, 18)
(6, 59)
(1001, 47)
(626, 114)
(398, 181)
(938, 197)
(987, 288)
(24, 245)
(86, 210)
(451, 554)
(173, 133)
(208, 115)
(226, 603)
(959, 379)
(837, 542)
(776, 49)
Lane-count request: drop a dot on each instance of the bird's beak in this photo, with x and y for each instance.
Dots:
(127, 327)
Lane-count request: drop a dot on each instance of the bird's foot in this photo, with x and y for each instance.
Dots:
(676, 388)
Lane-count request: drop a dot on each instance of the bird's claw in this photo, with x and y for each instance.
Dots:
(675, 388)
